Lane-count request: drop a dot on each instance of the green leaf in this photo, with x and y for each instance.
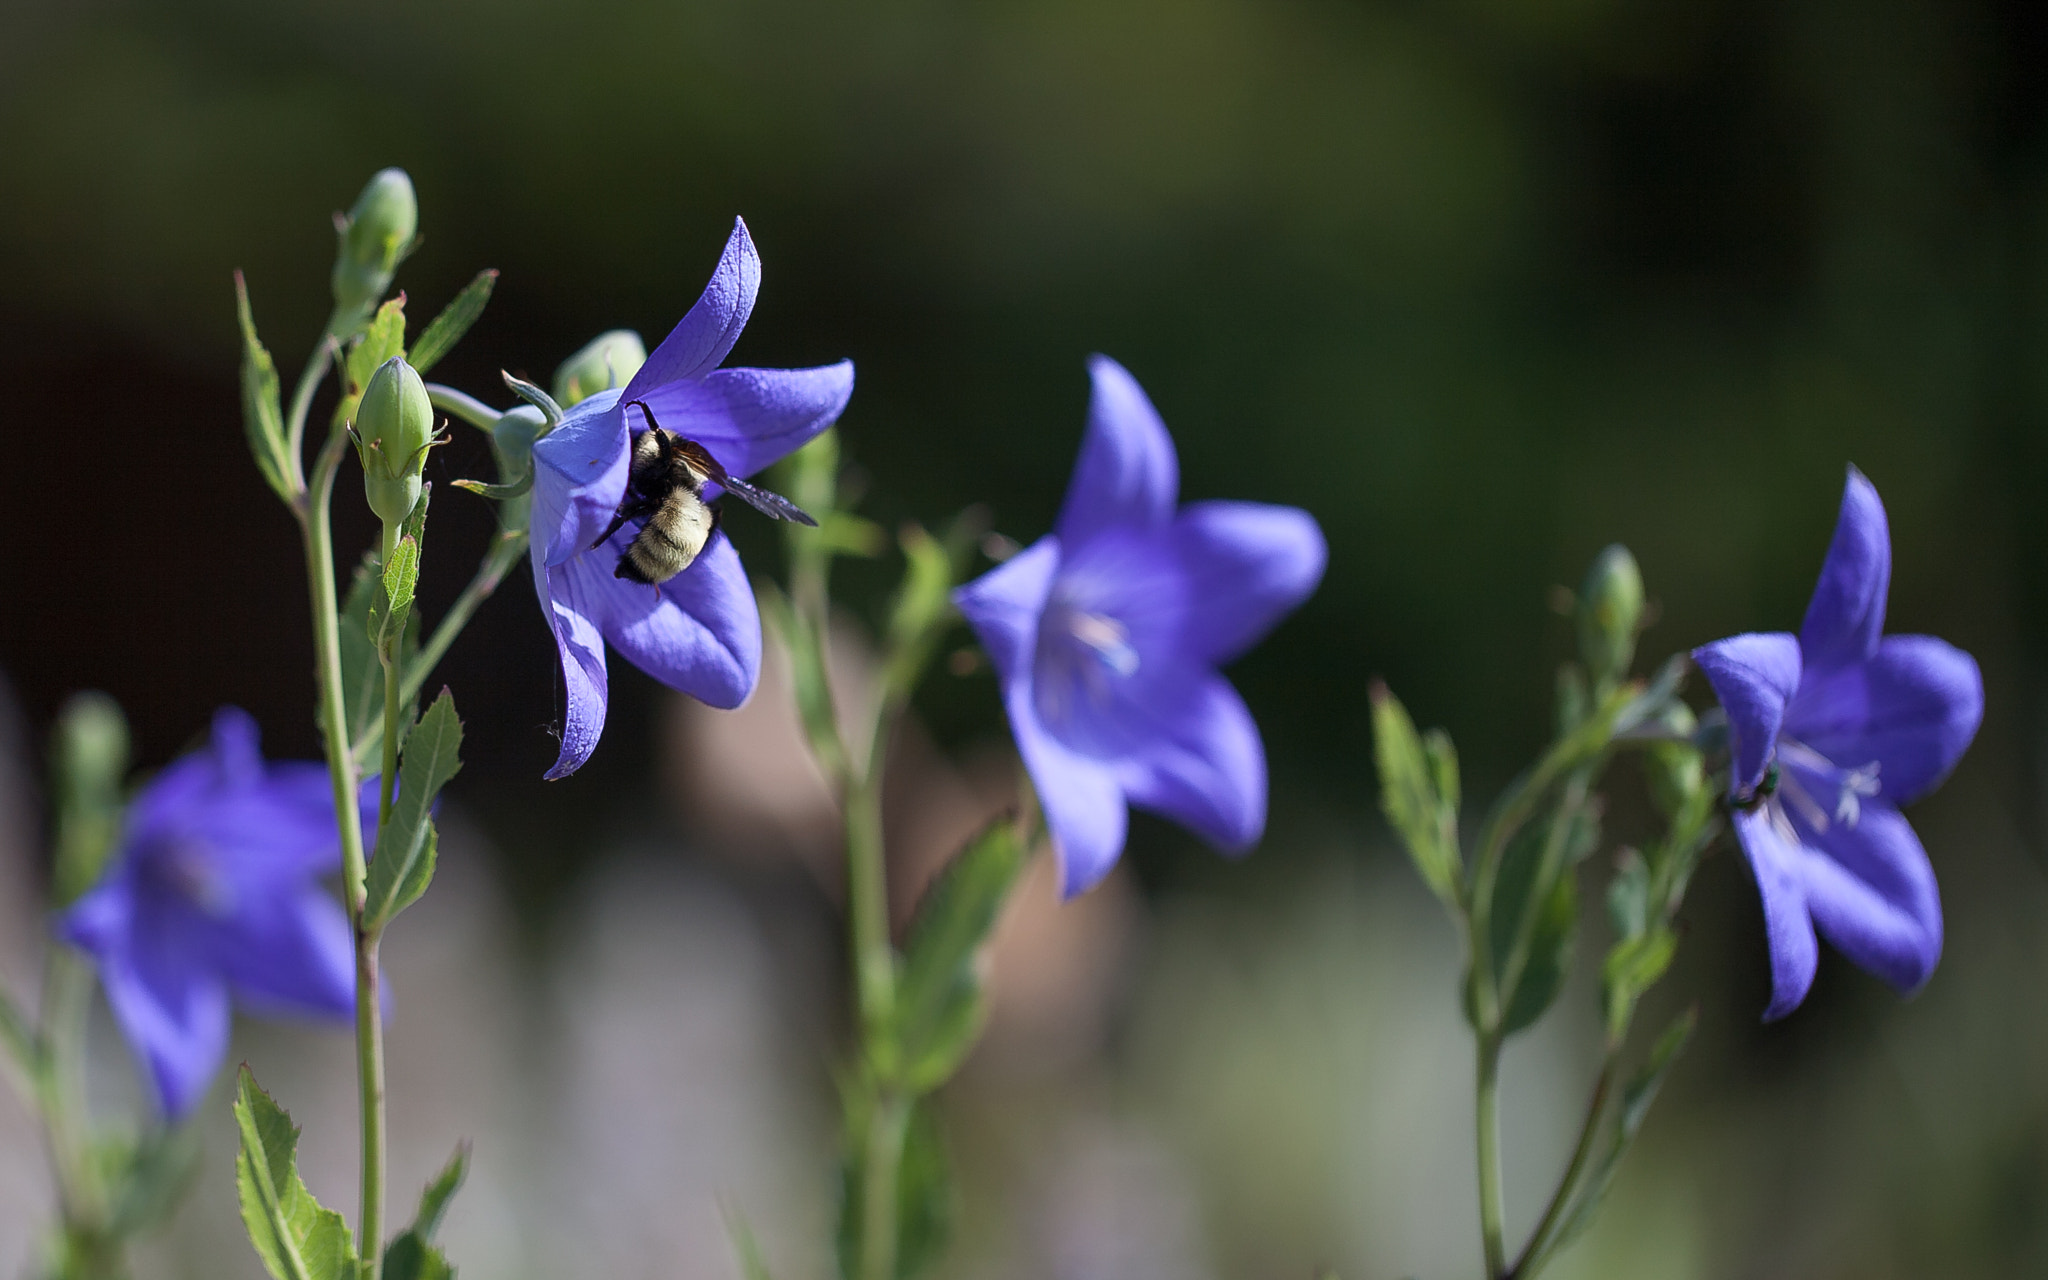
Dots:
(435, 1199)
(1632, 967)
(262, 418)
(1419, 793)
(408, 1257)
(924, 1196)
(746, 1249)
(383, 339)
(20, 1058)
(940, 1005)
(297, 1238)
(398, 581)
(454, 321)
(152, 1179)
(406, 843)
(1539, 850)
(1628, 895)
(1636, 1098)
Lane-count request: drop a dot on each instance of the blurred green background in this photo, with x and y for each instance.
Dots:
(1484, 284)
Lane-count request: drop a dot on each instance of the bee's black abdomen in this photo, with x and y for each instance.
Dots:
(631, 572)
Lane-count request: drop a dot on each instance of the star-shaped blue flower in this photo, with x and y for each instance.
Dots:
(1831, 731)
(1106, 635)
(216, 889)
(699, 632)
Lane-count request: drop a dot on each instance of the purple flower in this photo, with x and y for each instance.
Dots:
(216, 888)
(1106, 635)
(698, 632)
(1831, 731)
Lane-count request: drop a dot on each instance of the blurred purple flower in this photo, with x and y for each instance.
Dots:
(216, 888)
(699, 632)
(1831, 731)
(1106, 635)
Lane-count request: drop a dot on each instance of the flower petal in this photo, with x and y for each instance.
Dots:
(704, 336)
(1247, 564)
(1204, 767)
(1912, 709)
(1004, 605)
(1127, 474)
(1754, 675)
(1846, 615)
(567, 599)
(172, 1008)
(1872, 894)
(289, 953)
(237, 753)
(1083, 804)
(1776, 859)
(579, 477)
(749, 418)
(699, 632)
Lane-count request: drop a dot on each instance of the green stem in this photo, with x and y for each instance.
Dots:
(343, 772)
(67, 1002)
(462, 405)
(387, 788)
(882, 1162)
(1537, 1251)
(1555, 844)
(1486, 1112)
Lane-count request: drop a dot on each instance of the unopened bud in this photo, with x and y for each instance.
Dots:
(1610, 612)
(512, 442)
(1672, 767)
(376, 235)
(394, 427)
(90, 761)
(608, 360)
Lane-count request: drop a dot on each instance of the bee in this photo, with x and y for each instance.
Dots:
(665, 488)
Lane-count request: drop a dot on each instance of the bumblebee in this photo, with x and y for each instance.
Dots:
(665, 489)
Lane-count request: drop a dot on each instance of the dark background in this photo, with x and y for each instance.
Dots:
(1484, 285)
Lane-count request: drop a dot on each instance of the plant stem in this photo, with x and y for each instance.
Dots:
(91, 1251)
(1537, 1251)
(342, 770)
(302, 403)
(882, 1162)
(462, 405)
(1486, 1114)
(387, 787)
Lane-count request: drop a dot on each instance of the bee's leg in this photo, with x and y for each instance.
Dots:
(628, 510)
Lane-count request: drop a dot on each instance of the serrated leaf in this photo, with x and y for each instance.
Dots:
(1418, 793)
(381, 339)
(939, 1001)
(362, 672)
(407, 842)
(408, 1257)
(924, 1198)
(296, 1236)
(398, 581)
(262, 416)
(435, 1199)
(447, 329)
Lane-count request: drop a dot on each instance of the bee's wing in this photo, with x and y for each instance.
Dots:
(768, 504)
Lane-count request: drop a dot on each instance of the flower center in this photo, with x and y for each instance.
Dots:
(1821, 791)
(1082, 655)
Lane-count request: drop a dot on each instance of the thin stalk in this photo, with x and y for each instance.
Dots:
(462, 405)
(302, 403)
(342, 771)
(60, 1087)
(1486, 1112)
(1537, 1251)
(883, 1160)
(387, 787)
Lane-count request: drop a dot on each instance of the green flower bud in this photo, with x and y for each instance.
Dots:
(1673, 769)
(608, 360)
(90, 760)
(512, 442)
(376, 235)
(1610, 613)
(394, 427)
